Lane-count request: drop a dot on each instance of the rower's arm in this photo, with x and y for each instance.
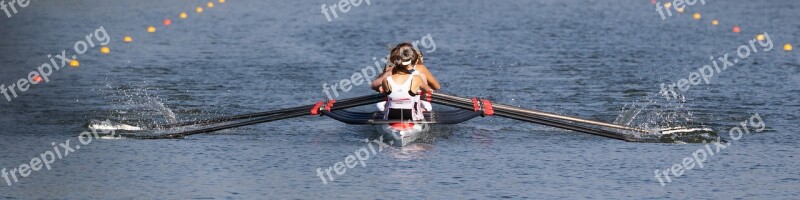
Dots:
(432, 82)
(385, 86)
(378, 82)
(416, 84)
(424, 86)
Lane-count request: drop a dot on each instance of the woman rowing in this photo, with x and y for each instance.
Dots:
(402, 86)
(418, 68)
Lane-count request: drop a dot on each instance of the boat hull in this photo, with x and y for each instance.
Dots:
(402, 134)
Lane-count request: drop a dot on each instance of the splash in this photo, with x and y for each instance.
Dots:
(669, 122)
(137, 104)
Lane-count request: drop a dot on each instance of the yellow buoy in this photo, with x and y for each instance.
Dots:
(714, 22)
(667, 5)
(105, 50)
(221, 1)
(74, 63)
(127, 39)
(151, 29)
(680, 10)
(183, 15)
(210, 4)
(787, 47)
(696, 16)
(760, 37)
(199, 10)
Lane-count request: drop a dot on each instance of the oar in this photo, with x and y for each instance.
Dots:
(539, 120)
(344, 104)
(261, 114)
(544, 118)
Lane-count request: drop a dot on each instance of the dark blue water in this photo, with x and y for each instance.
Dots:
(586, 58)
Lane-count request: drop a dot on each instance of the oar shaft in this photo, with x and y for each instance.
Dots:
(347, 103)
(267, 113)
(540, 120)
(500, 107)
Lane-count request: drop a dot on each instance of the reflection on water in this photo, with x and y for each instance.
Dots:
(414, 151)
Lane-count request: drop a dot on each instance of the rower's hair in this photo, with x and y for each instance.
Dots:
(420, 57)
(403, 52)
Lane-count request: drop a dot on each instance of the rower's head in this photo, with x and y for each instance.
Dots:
(403, 56)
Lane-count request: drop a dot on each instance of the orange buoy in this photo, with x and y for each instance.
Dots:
(151, 29)
(36, 79)
(127, 39)
(696, 16)
(199, 9)
(787, 47)
(736, 29)
(105, 50)
(167, 22)
(714, 22)
(74, 63)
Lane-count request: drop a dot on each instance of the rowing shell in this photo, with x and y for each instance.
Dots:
(402, 134)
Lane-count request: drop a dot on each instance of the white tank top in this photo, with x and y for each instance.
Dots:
(415, 73)
(399, 98)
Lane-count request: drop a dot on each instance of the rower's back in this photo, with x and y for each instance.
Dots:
(401, 90)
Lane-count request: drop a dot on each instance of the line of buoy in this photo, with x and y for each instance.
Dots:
(714, 22)
(74, 63)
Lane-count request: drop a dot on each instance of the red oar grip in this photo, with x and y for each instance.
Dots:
(487, 107)
(475, 104)
(315, 109)
(330, 105)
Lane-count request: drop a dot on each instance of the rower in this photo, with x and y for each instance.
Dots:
(419, 69)
(415, 60)
(402, 88)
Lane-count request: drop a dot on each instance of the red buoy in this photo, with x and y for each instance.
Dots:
(37, 79)
(167, 22)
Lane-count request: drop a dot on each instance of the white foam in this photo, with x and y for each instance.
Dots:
(116, 126)
(684, 130)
